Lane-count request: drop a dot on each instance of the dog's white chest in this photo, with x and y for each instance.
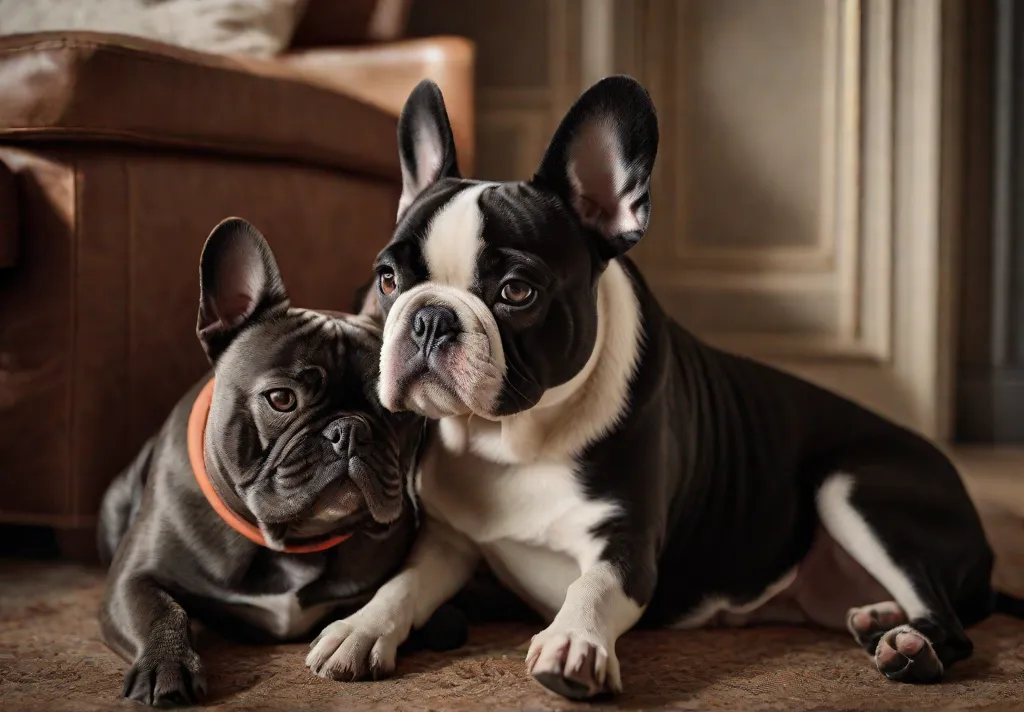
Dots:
(281, 614)
(538, 575)
(533, 523)
(278, 614)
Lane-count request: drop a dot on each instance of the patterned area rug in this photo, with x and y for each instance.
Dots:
(51, 658)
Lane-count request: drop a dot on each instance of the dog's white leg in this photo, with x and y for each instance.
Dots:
(365, 644)
(575, 655)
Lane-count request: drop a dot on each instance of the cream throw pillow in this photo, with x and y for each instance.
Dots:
(251, 27)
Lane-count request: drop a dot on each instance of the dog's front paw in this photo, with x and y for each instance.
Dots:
(573, 663)
(355, 649)
(166, 679)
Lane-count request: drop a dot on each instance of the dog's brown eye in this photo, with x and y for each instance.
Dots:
(516, 292)
(388, 283)
(281, 399)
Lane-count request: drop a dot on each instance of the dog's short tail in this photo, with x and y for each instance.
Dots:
(1009, 605)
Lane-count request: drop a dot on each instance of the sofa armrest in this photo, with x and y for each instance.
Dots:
(91, 87)
(9, 223)
(383, 75)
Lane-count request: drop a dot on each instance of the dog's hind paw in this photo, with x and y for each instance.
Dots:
(906, 655)
(868, 624)
(163, 679)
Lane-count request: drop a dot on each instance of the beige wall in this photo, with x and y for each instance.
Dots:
(802, 205)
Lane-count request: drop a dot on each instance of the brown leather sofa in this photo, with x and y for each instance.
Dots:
(117, 156)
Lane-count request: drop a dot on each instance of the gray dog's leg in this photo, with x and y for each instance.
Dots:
(143, 624)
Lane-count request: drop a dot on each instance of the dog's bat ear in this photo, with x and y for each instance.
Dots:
(426, 146)
(238, 281)
(600, 161)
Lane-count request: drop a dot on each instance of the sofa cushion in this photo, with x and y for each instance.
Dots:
(90, 86)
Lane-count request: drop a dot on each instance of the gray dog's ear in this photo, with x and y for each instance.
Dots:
(426, 146)
(238, 281)
(600, 161)
(368, 304)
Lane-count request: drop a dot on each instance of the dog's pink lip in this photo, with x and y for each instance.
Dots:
(402, 378)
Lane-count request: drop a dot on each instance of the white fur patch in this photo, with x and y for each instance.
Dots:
(281, 615)
(717, 607)
(849, 529)
(453, 240)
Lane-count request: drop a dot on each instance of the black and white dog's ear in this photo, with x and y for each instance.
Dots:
(601, 158)
(426, 146)
(238, 281)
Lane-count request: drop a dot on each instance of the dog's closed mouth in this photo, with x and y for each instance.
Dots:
(340, 509)
(308, 532)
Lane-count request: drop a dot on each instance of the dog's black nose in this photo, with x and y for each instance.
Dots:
(433, 326)
(338, 435)
(341, 432)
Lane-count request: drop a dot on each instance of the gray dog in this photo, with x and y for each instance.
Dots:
(275, 495)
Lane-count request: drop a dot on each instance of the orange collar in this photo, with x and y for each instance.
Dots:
(196, 455)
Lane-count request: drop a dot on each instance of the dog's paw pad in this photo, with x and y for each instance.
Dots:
(906, 655)
(165, 681)
(868, 623)
(572, 665)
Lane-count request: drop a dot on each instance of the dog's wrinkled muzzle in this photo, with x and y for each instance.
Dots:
(442, 354)
(347, 477)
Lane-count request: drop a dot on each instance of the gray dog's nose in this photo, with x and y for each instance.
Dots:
(341, 432)
(433, 326)
(338, 435)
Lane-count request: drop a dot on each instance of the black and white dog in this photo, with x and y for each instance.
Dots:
(608, 466)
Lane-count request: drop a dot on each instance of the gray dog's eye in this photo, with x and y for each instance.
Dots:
(281, 399)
